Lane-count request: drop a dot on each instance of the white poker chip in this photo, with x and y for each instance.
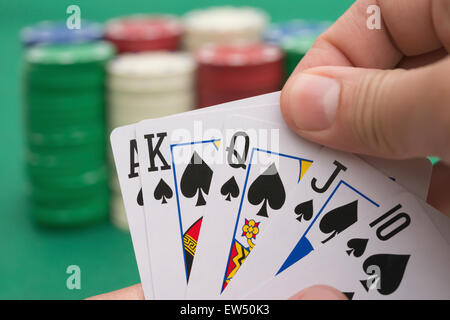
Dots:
(182, 82)
(120, 117)
(151, 64)
(223, 25)
(130, 101)
(142, 86)
(225, 19)
(151, 71)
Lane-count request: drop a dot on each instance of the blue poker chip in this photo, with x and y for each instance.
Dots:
(281, 32)
(56, 32)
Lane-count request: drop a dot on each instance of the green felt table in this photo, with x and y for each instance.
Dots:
(33, 260)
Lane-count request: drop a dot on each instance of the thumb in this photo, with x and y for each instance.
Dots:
(319, 292)
(386, 113)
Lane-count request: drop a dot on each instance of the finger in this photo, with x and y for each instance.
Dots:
(409, 28)
(393, 114)
(423, 59)
(130, 293)
(319, 292)
(438, 194)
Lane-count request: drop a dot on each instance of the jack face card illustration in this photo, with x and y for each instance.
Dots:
(251, 188)
(124, 147)
(330, 201)
(392, 252)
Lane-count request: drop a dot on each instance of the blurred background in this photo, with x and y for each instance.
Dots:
(59, 202)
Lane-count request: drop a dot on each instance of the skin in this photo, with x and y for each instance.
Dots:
(393, 95)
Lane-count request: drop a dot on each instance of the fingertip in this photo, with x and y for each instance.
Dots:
(319, 292)
(310, 101)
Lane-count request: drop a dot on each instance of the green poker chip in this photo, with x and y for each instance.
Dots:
(64, 196)
(66, 136)
(93, 77)
(67, 54)
(294, 50)
(69, 180)
(73, 215)
(41, 121)
(65, 162)
(62, 101)
(65, 123)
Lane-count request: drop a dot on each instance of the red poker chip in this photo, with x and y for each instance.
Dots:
(271, 74)
(206, 99)
(169, 44)
(201, 91)
(144, 33)
(236, 55)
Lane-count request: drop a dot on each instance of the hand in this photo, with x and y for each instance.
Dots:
(349, 92)
(129, 293)
(313, 293)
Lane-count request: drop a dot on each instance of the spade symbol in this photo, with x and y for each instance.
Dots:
(391, 267)
(349, 295)
(267, 188)
(196, 178)
(337, 220)
(230, 189)
(162, 191)
(357, 247)
(304, 210)
(140, 199)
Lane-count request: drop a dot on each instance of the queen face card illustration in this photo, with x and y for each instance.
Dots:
(393, 251)
(250, 189)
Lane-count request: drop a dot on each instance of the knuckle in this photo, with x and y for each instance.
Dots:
(370, 122)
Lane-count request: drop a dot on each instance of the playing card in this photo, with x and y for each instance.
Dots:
(124, 147)
(366, 236)
(251, 187)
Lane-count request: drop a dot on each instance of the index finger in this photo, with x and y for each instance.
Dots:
(407, 29)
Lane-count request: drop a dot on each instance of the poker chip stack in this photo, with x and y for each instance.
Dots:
(295, 38)
(223, 25)
(231, 72)
(138, 33)
(65, 131)
(56, 32)
(146, 85)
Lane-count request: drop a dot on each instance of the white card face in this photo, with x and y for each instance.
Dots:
(278, 245)
(124, 149)
(413, 174)
(440, 220)
(368, 237)
(169, 147)
(250, 188)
